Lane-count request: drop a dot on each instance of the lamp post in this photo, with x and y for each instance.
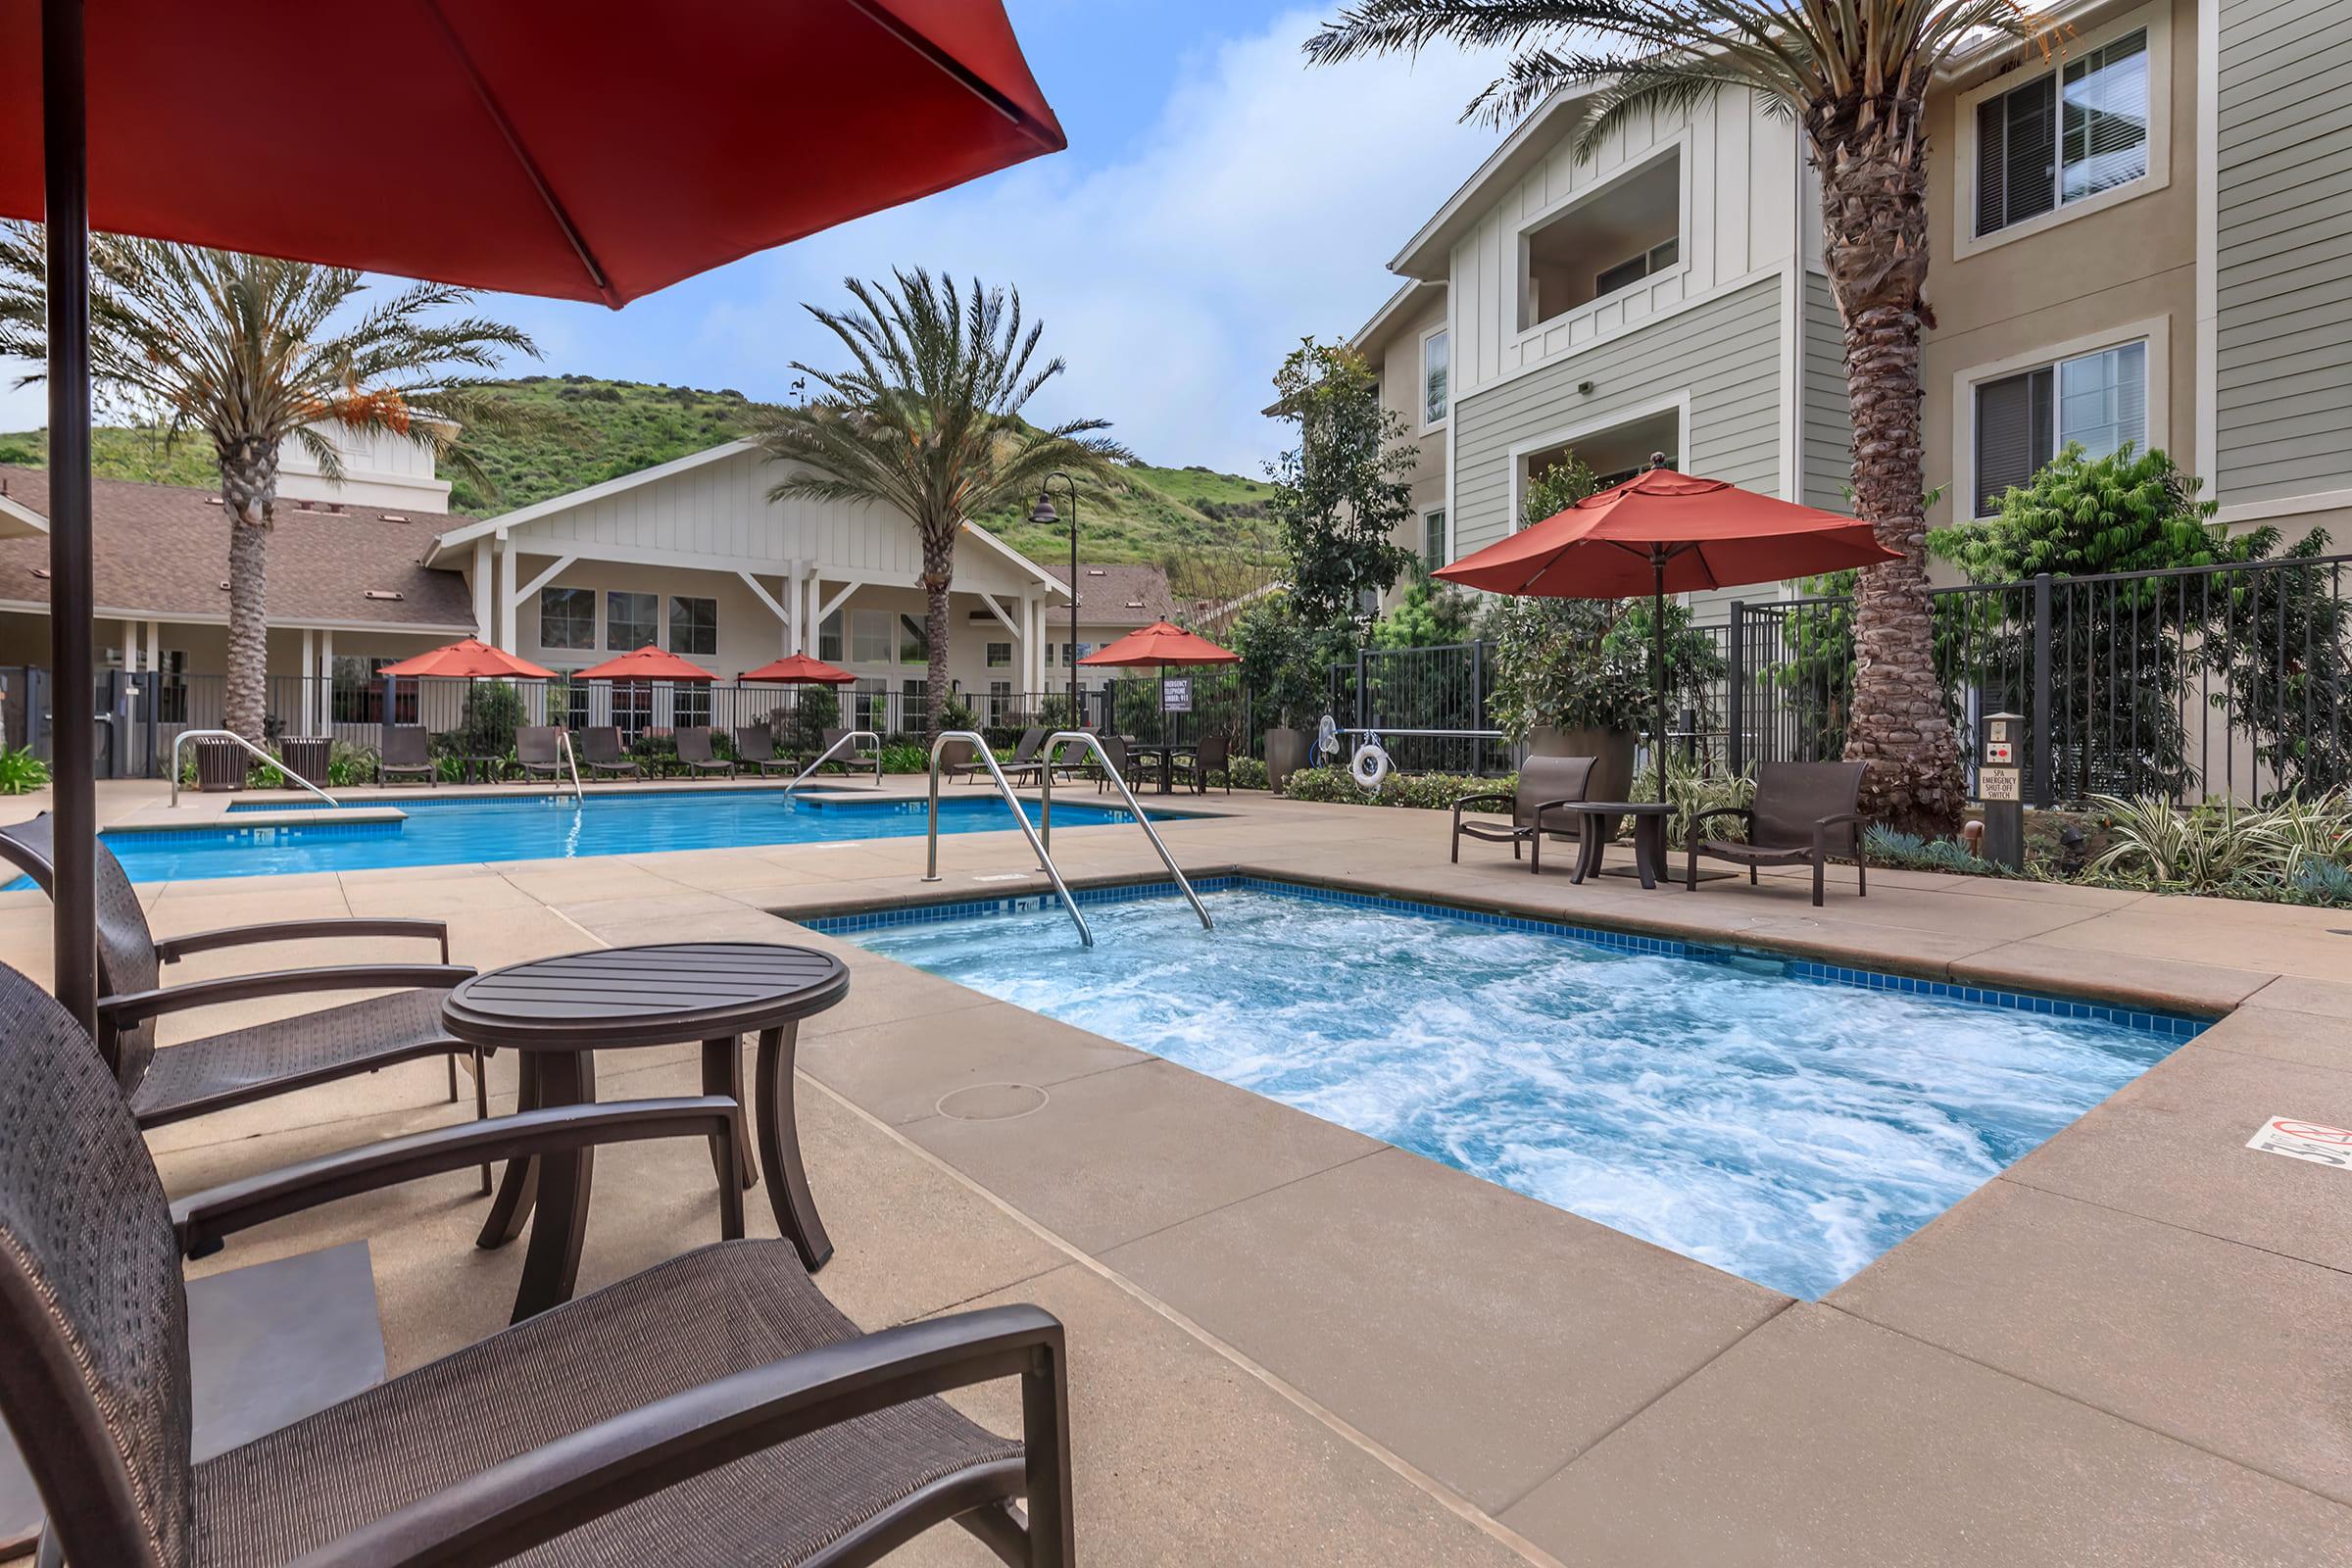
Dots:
(1045, 516)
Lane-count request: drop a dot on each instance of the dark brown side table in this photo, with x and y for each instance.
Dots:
(1649, 836)
(557, 1014)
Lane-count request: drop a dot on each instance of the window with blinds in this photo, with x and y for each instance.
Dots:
(2098, 402)
(2064, 137)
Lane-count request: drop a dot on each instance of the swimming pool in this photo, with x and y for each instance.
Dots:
(1785, 1120)
(451, 830)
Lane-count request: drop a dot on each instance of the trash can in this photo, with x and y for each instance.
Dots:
(219, 765)
(306, 757)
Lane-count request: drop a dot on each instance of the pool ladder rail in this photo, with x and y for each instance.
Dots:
(260, 756)
(1041, 843)
(579, 797)
(848, 740)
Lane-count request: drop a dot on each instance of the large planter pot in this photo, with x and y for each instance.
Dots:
(1285, 754)
(1612, 754)
(219, 765)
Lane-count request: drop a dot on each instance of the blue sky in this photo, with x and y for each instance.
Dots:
(1218, 201)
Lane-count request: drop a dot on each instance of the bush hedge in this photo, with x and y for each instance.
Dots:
(1427, 792)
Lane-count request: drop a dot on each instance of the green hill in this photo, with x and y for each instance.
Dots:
(594, 430)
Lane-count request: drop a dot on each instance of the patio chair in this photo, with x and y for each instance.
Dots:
(961, 760)
(1023, 765)
(755, 746)
(1545, 783)
(714, 1408)
(539, 747)
(261, 1060)
(1804, 813)
(845, 760)
(601, 750)
(406, 754)
(1114, 747)
(1212, 758)
(695, 754)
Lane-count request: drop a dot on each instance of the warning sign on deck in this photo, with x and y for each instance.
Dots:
(2298, 1139)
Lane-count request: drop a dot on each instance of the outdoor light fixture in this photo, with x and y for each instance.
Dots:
(1045, 516)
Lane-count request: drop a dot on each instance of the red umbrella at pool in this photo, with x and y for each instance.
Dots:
(646, 664)
(470, 659)
(580, 149)
(1162, 643)
(1663, 532)
(799, 671)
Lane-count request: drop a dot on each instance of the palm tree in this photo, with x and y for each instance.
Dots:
(250, 352)
(928, 421)
(1855, 73)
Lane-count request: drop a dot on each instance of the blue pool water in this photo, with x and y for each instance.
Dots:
(1780, 1119)
(454, 830)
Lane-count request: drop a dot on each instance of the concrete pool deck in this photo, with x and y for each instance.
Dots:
(1292, 1344)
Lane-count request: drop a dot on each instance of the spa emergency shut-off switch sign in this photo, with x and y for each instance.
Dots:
(2298, 1139)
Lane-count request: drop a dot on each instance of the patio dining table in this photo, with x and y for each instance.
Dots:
(1167, 761)
(557, 1013)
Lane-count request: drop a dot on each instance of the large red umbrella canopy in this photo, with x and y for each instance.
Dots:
(799, 669)
(1667, 532)
(468, 659)
(579, 149)
(646, 664)
(1160, 642)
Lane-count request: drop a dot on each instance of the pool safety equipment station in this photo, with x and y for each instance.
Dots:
(2000, 785)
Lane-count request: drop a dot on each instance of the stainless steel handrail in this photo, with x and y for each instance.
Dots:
(579, 797)
(1094, 743)
(1045, 862)
(284, 771)
(849, 739)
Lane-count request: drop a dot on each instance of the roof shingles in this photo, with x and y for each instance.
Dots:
(1120, 595)
(161, 553)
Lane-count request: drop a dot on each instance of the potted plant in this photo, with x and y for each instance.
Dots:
(1570, 681)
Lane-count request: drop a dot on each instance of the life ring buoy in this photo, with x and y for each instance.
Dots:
(1327, 737)
(1369, 767)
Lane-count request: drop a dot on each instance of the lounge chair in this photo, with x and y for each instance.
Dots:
(1804, 813)
(695, 754)
(1212, 758)
(714, 1408)
(961, 760)
(406, 754)
(265, 1059)
(844, 759)
(755, 746)
(601, 750)
(1114, 747)
(1544, 782)
(539, 747)
(1023, 765)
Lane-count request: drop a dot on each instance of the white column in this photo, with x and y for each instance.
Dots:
(155, 645)
(309, 671)
(130, 645)
(327, 681)
(485, 622)
(814, 587)
(792, 602)
(506, 595)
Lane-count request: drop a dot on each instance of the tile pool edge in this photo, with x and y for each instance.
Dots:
(2169, 1021)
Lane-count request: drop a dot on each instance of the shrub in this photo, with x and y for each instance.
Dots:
(22, 773)
(1249, 773)
(1909, 852)
(1691, 793)
(905, 756)
(1428, 792)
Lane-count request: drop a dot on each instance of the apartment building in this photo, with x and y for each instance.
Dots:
(2144, 236)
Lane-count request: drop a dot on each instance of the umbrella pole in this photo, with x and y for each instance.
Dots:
(1657, 627)
(65, 211)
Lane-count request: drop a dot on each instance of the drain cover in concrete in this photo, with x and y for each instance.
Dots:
(2298, 1139)
(993, 1101)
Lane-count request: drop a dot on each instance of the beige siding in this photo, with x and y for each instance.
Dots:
(1724, 355)
(2283, 253)
(1828, 464)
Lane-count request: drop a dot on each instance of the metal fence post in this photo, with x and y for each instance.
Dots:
(1361, 696)
(1478, 703)
(1735, 691)
(2044, 769)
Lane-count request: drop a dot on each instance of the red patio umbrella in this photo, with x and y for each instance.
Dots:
(1161, 643)
(468, 659)
(1663, 532)
(647, 664)
(513, 171)
(799, 669)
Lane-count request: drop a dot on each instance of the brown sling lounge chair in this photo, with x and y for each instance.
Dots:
(539, 751)
(263, 1059)
(406, 754)
(755, 746)
(1544, 782)
(1804, 813)
(1212, 758)
(1024, 765)
(600, 749)
(695, 754)
(714, 1409)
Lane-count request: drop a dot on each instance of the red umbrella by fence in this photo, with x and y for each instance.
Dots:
(799, 669)
(1663, 532)
(1161, 643)
(470, 659)
(647, 664)
(514, 172)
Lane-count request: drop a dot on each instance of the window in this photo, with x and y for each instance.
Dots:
(1000, 656)
(1434, 404)
(2099, 399)
(828, 639)
(1626, 274)
(870, 637)
(574, 694)
(355, 693)
(568, 618)
(1618, 233)
(914, 705)
(632, 707)
(694, 626)
(1433, 538)
(2065, 137)
(690, 703)
(632, 620)
(914, 643)
(1000, 700)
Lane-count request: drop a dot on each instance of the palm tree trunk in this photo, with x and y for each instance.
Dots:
(939, 570)
(249, 495)
(1872, 157)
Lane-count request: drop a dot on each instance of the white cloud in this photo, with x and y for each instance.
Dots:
(1262, 207)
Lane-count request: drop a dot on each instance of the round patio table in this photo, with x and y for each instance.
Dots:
(557, 1013)
(1649, 836)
